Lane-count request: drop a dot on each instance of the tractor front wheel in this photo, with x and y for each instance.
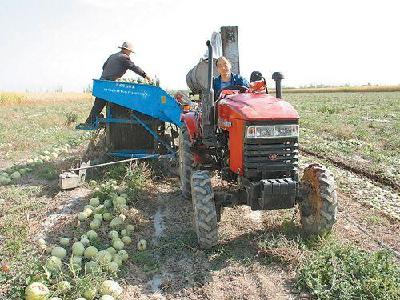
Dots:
(318, 208)
(205, 214)
(185, 162)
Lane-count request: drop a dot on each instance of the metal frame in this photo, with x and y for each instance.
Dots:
(146, 99)
(134, 120)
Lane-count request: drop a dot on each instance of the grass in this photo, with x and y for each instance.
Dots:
(146, 260)
(39, 126)
(345, 272)
(20, 245)
(14, 99)
(42, 124)
(358, 128)
(48, 172)
(329, 269)
(15, 281)
(376, 220)
(345, 89)
(345, 124)
(131, 178)
(15, 228)
(17, 250)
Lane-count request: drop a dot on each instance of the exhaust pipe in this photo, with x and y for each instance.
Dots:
(277, 77)
(210, 72)
(208, 118)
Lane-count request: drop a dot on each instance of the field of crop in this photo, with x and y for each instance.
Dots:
(345, 89)
(261, 255)
(32, 123)
(360, 129)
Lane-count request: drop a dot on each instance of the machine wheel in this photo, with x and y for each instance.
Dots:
(185, 162)
(318, 208)
(205, 214)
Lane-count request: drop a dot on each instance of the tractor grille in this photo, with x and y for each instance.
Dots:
(271, 158)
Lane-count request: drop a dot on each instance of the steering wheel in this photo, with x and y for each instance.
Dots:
(241, 88)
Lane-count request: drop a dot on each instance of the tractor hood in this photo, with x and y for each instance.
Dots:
(250, 106)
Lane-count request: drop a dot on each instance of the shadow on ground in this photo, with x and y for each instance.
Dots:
(174, 264)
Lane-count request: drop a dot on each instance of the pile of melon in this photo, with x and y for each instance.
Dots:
(100, 249)
(109, 290)
(14, 174)
(47, 155)
(139, 80)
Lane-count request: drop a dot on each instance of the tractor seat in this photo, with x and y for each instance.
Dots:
(258, 84)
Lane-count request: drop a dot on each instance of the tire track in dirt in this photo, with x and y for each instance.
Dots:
(341, 163)
(62, 210)
(366, 227)
(251, 277)
(158, 224)
(369, 213)
(234, 269)
(187, 272)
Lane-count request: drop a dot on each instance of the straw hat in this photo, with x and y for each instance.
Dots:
(127, 46)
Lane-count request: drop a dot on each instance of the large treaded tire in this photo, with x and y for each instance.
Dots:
(318, 209)
(205, 215)
(185, 162)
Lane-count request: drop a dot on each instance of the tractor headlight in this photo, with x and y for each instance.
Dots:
(272, 131)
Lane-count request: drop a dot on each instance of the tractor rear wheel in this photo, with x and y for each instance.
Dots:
(318, 208)
(205, 214)
(185, 162)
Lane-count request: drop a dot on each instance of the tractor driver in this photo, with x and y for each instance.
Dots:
(115, 67)
(226, 77)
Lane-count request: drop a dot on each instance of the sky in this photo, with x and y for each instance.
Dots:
(48, 44)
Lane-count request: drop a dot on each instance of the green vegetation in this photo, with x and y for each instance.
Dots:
(17, 246)
(71, 117)
(23, 254)
(48, 172)
(374, 219)
(40, 126)
(34, 135)
(345, 272)
(13, 226)
(336, 125)
(131, 178)
(361, 129)
(147, 261)
(344, 89)
(329, 269)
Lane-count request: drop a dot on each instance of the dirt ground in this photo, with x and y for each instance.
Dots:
(174, 267)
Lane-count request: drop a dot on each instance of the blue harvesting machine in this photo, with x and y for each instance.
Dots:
(142, 121)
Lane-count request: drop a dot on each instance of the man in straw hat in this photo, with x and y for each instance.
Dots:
(115, 67)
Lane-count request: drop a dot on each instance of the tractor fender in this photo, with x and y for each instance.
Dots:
(190, 120)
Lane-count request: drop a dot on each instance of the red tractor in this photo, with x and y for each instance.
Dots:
(251, 139)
